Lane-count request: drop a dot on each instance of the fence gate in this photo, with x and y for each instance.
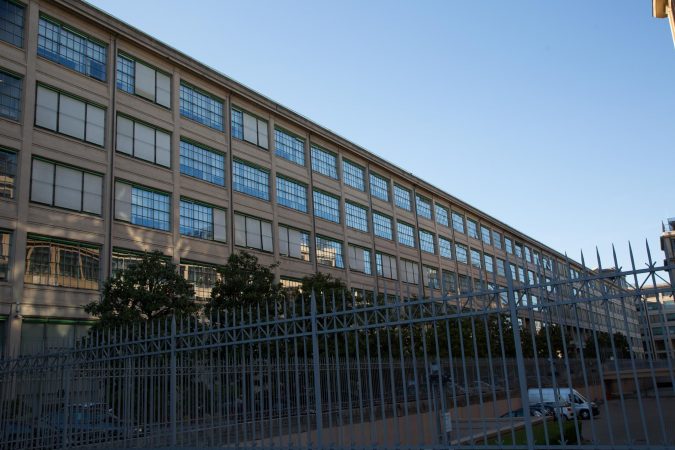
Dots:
(552, 357)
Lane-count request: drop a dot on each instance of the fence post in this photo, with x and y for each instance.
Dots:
(520, 361)
(317, 374)
(172, 387)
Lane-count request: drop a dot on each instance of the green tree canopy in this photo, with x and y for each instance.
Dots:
(148, 290)
(243, 282)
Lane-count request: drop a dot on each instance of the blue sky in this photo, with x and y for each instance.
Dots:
(553, 117)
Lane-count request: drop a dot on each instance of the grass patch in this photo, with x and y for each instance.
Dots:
(519, 437)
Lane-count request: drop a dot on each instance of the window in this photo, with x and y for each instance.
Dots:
(202, 221)
(536, 258)
(142, 206)
(72, 49)
(497, 239)
(442, 215)
(10, 96)
(291, 284)
(402, 197)
(521, 274)
(11, 22)
(324, 162)
(293, 243)
(461, 253)
(382, 226)
(250, 180)
(423, 207)
(7, 173)
(353, 175)
(251, 232)
(427, 242)
(61, 263)
(66, 187)
(202, 277)
(200, 162)
(326, 206)
(249, 128)
(406, 234)
(472, 228)
(356, 216)
(5, 253)
(475, 258)
(135, 77)
(410, 272)
(485, 235)
(430, 277)
(289, 147)
(201, 107)
(144, 142)
(386, 266)
(449, 282)
(501, 268)
(528, 254)
(379, 187)
(359, 260)
(519, 250)
(123, 260)
(445, 247)
(64, 114)
(508, 245)
(489, 262)
(329, 252)
(464, 284)
(458, 222)
(40, 335)
(291, 194)
(530, 277)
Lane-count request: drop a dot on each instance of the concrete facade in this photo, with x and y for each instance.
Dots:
(41, 301)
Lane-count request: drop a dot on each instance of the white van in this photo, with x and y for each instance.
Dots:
(581, 406)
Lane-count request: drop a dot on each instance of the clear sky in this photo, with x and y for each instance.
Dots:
(554, 117)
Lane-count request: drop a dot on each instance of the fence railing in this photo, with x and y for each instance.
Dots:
(553, 362)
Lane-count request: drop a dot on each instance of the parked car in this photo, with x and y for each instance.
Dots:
(520, 412)
(581, 406)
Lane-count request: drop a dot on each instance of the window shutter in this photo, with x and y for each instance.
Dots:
(93, 193)
(42, 183)
(163, 90)
(219, 228)
(122, 201)
(71, 116)
(250, 129)
(95, 125)
(262, 133)
(47, 108)
(240, 230)
(253, 233)
(163, 148)
(295, 240)
(125, 135)
(68, 188)
(145, 81)
(144, 142)
(266, 236)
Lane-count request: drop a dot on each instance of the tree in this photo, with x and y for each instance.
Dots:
(323, 283)
(550, 333)
(605, 345)
(148, 290)
(243, 282)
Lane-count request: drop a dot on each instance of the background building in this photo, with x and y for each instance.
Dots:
(113, 143)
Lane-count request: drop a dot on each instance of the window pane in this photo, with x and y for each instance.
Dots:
(326, 206)
(329, 252)
(353, 175)
(423, 207)
(379, 187)
(201, 107)
(445, 247)
(291, 194)
(406, 234)
(70, 264)
(10, 96)
(5, 252)
(250, 180)
(472, 228)
(382, 226)
(324, 162)
(289, 147)
(196, 220)
(199, 162)
(458, 222)
(11, 22)
(150, 209)
(7, 174)
(427, 242)
(402, 197)
(442, 215)
(356, 216)
(75, 51)
(237, 124)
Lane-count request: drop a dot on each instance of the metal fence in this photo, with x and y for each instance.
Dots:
(561, 359)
